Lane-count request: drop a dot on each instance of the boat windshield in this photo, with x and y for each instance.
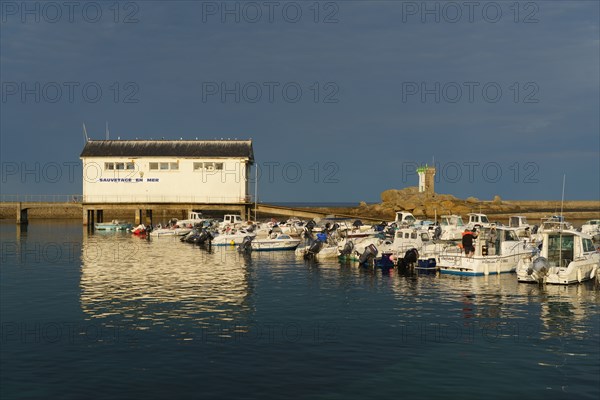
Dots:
(484, 219)
(283, 237)
(588, 245)
(510, 236)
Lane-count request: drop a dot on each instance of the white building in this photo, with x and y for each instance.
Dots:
(166, 171)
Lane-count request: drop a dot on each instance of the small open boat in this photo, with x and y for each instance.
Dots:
(279, 242)
(114, 225)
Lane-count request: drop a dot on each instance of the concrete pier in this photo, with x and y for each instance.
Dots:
(22, 217)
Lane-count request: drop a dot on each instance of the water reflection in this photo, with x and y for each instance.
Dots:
(164, 283)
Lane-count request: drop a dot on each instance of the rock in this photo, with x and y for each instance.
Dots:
(447, 204)
(472, 200)
(418, 212)
(497, 200)
(362, 204)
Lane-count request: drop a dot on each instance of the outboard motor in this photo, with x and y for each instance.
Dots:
(534, 229)
(246, 245)
(204, 236)
(348, 249)
(313, 249)
(410, 258)
(437, 233)
(539, 269)
(185, 237)
(368, 256)
(316, 246)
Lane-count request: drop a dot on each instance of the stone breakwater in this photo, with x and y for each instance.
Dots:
(427, 207)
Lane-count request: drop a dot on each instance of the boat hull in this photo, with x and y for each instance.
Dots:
(477, 266)
(270, 246)
(112, 227)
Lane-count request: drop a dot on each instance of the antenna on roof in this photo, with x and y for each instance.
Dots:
(107, 132)
(85, 135)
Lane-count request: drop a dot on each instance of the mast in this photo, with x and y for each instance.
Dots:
(560, 223)
(255, 189)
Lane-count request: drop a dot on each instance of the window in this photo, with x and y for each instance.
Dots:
(219, 166)
(119, 165)
(153, 165)
(129, 165)
(109, 166)
(588, 245)
(164, 166)
(413, 235)
(198, 166)
(174, 166)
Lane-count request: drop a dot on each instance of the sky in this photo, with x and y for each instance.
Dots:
(342, 99)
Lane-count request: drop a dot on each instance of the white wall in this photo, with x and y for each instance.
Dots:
(183, 185)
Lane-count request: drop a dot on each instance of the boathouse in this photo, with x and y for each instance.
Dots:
(143, 174)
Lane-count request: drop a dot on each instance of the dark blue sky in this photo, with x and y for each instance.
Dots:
(342, 101)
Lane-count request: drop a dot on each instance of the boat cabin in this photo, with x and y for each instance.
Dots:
(560, 248)
(478, 220)
(232, 219)
(554, 223)
(518, 221)
(404, 218)
(451, 220)
(497, 241)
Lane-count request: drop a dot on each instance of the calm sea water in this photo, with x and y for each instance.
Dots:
(113, 316)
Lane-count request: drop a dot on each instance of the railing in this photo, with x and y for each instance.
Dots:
(167, 198)
(41, 198)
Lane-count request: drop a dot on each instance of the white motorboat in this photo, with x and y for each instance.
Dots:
(404, 219)
(478, 221)
(452, 227)
(566, 257)
(114, 225)
(231, 237)
(172, 231)
(497, 250)
(194, 217)
(591, 227)
(275, 242)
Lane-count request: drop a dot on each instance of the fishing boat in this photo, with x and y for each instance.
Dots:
(114, 225)
(276, 242)
(497, 250)
(566, 257)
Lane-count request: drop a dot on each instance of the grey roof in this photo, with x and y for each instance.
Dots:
(169, 148)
